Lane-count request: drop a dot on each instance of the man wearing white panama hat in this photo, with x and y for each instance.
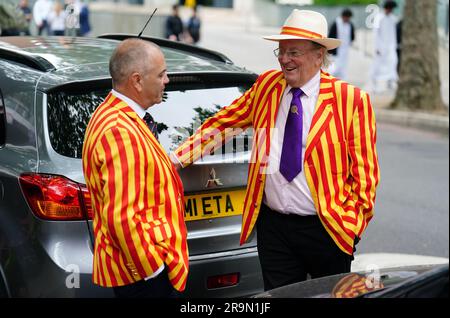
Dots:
(314, 167)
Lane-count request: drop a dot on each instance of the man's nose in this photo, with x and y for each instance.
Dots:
(283, 58)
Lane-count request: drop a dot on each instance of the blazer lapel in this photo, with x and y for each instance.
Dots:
(139, 122)
(272, 102)
(150, 137)
(322, 114)
(277, 94)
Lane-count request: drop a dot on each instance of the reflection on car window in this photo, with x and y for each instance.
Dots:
(184, 111)
(68, 116)
(178, 116)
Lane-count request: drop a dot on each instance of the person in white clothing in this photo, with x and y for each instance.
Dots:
(57, 19)
(384, 68)
(41, 9)
(344, 30)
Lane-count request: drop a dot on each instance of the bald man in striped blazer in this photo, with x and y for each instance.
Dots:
(313, 170)
(137, 196)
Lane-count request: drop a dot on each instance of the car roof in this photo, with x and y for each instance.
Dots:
(66, 59)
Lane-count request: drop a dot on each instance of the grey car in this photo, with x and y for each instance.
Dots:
(49, 87)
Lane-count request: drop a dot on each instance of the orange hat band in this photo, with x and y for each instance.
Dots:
(300, 32)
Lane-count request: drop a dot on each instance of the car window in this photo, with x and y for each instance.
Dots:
(180, 113)
(17, 117)
(68, 116)
(183, 111)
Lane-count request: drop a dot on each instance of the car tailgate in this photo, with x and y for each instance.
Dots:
(214, 199)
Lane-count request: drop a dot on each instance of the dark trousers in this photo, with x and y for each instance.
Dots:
(157, 287)
(43, 27)
(292, 246)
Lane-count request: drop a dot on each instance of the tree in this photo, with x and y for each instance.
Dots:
(419, 86)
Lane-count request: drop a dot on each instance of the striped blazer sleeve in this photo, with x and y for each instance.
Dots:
(218, 129)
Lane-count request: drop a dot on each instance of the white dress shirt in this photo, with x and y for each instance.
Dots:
(134, 106)
(141, 113)
(280, 195)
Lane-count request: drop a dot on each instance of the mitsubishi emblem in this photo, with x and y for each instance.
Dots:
(213, 181)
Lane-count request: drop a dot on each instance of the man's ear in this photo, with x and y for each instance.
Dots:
(136, 81)
(320, 56)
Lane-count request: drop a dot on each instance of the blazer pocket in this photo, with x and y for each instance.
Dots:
(339, 162)
(159, 230)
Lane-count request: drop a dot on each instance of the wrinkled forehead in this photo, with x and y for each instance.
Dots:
(295, 45)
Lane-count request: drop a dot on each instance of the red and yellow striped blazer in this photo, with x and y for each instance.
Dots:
(340, 162)
(137, 198)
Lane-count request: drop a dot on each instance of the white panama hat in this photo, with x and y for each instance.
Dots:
(306, 25)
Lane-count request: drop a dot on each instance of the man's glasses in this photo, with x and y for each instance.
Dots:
(289, 54)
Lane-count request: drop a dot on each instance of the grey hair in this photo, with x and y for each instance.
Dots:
(326, 61)
(130, 56)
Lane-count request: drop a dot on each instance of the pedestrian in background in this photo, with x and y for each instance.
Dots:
(399, 44)
(193, 27)
(140, 246)
(174, 25)
(25, 9)
(79, 17)
(311, 180)
(56, 19)
(41, 9)
(85, 26)
(344, 30)
(384, 67)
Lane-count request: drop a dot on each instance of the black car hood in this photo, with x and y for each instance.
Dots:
(353, 285)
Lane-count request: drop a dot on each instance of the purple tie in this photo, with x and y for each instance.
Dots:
(291, 155)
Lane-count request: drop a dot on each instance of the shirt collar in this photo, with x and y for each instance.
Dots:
(311, 88)
(134, 106)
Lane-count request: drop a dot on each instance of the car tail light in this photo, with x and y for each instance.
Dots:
(226, 280)
(56, 198)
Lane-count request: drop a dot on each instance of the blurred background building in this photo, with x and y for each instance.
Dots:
(128, 15)
(231, 25)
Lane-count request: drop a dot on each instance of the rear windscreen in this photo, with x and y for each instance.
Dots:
(180, 113)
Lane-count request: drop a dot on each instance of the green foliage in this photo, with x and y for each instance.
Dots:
(201, 115)
(204, 113)
(343, 2)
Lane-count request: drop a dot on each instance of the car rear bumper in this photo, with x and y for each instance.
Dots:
(61, 283)
(245, 262)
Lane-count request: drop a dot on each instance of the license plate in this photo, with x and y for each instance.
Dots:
(213, 205)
